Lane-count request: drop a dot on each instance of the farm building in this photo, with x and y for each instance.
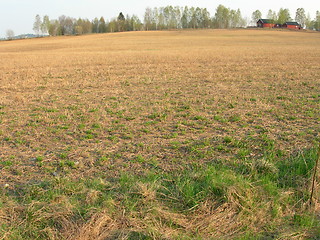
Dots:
(269, 23)
(291, 25)
(265, 23)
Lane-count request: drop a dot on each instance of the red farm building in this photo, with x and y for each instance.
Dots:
(265, 23)
(292, 25)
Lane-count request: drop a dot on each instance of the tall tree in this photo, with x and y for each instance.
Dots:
(272, 15)
(54, 28)
(66, 25)
(233, 18)
(78, 30)
(155, 18)
(284, 15)
(121, 17)
(301, 17)
(86, 26)
(193, 18)
(206, 20)
(308, 22)
(169, 17)
(199, 18)
(83, 26)
(121, 22)
(127, 23)
(45, 25)
(135, 23)
(95, 25)
(148, 19)
(177, 16)
(161, 19)
(221, 17)
(236, 19)
(112, 26)
(185, 19)
(242, 21)
(256, 15)
(316, 21)
(37, 24)
(10, 34)
(102, 25)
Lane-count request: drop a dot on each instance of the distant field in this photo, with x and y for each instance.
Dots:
(207, 134)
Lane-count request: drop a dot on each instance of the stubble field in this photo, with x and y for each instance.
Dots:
(207, 134)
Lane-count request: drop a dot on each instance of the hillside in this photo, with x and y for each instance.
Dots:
(202, 134)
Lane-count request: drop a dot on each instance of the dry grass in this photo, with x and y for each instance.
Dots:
(266, 78)
(101, 105)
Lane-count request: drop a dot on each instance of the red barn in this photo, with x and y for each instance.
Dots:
(265, 23)
(292, 25)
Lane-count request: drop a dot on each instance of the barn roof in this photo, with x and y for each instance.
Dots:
(292, 23)
(266, 20)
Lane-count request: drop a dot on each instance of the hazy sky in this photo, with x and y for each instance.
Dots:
(18, 15)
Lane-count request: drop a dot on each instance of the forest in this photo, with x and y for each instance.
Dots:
(168, 17)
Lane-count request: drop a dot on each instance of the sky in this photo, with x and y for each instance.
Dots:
(19, 15)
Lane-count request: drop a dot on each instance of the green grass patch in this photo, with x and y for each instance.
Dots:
(49, 202)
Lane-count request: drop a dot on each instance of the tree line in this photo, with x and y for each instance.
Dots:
(168, 17)
(65, 25)
(190, 17)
